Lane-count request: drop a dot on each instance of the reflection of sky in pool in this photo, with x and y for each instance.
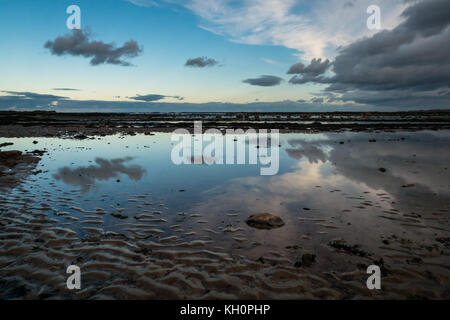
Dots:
(328, 185)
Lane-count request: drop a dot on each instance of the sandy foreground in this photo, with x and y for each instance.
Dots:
(139, 245)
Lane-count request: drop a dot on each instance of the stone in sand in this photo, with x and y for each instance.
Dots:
(6, 144)
(306, 261)
(264, 221)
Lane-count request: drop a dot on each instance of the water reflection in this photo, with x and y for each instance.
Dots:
(85, 177)
(413, 167)
(329, 187)
(311, 150)
(336, 189)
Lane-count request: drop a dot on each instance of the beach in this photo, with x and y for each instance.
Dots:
(100, 191)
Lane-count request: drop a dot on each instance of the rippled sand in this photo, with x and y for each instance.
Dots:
(144, 239)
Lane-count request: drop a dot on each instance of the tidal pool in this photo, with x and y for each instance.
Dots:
(140, 226)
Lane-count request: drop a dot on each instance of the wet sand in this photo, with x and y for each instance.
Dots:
(347, 200)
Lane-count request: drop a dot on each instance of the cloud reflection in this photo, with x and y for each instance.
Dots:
(104, 169)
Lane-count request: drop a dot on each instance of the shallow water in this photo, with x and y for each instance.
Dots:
(141, 227)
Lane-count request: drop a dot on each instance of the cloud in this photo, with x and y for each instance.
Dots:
(143, 3)
(313, 28)
(31, 95)
(269, 61)
(22, 100)
(264, 81)
(408, 64)
(65, 89)
(154, 97)
(321, 102)
(78, 43)
(315, 68)
(310, 73)
(35, 101)
(201, 62)
(414, 54)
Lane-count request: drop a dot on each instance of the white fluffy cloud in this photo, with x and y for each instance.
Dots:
(314, 28)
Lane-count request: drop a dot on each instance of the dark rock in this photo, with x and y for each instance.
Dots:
(38, 152)
(264, 221)
(81, 137)
(307, 260)
(382, 169)
(6, 144)
(414, 260)
(351, 249)
(444, 240)
(119, 216)
(10, 155)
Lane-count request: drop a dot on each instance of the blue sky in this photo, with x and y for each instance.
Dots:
(248, 39)
(169, 35)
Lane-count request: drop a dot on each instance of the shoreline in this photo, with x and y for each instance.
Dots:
(78, 125)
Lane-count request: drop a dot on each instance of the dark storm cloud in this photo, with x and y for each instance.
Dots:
(310, 73)
(78, 43)
(154, 97)
(201, 62)
(315, 68)
(309, 78)
(264, 81)
(394, 66)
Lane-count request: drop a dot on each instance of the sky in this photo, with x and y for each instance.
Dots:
(225, 55)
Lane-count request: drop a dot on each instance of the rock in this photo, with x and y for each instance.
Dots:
(119, 216)
(307, 260)
(264, 221)
(6, 144)
(382, 169)
(35, 142)
(81, 137)
(444, 240)
(14, 157)
(351, 249)
(38, 152)
(10, 155)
